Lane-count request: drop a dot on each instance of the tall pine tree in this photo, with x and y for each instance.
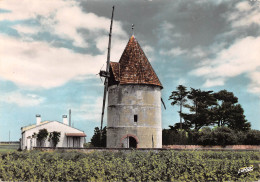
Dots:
(201, 103)
(179, 98)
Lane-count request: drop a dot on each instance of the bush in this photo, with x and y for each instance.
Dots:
(218, 136)
(54, 138)
(88, 145)
(224, 136)
(205, 137)
(193, 136)
(41, 136)
(241, 136)
(174, 137)
(252, 137)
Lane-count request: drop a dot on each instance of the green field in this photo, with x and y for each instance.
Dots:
(8, 147)
(131, 166)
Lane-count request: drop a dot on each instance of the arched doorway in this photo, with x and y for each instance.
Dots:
(129, 141)
(132, 142)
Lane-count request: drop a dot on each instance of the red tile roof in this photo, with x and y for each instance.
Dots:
(134, 67)
(115, 69)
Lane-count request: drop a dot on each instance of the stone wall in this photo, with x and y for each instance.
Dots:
(169, 147)
(200, 147)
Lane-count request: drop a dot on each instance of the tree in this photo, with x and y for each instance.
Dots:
(41, 136)
(95, 140)
(228, 112)
(200, 108)
(177, 126)
(179, 97)
(54, 137)
(225, 101)
(207, 108)
(99, 137)
(104, 137)
(237, 119)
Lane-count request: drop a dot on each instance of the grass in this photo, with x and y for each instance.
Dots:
(4, 148)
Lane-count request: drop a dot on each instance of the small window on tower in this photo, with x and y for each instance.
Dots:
(135, 118)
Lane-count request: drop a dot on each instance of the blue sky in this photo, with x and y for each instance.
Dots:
(51, 51)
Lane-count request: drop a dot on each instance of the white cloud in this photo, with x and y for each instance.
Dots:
(62, 18)
(214, 82)
(198, 52)
(90, 110)
(173, 52)
(217, 2)
(27, 9)
(70, 19)
(181, 81)
(102, 43)
(243, 6)
(117, 47)
(37, 65)
(167, 27)
(240, 58)
(254, 86)
(22, 100)
(148, 49)
(195, 53)
(26, 29)
(244, 15)
(149, 52)
(166, 33)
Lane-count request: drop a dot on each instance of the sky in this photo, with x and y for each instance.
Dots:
(51, 52)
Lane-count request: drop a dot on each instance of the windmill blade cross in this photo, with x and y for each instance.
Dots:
(106, 73)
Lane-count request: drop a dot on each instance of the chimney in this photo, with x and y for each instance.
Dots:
(38, 119)
(65, 119)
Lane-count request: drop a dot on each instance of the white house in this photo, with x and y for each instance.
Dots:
(69, 137)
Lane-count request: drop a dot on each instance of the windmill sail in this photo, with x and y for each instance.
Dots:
(106, 73)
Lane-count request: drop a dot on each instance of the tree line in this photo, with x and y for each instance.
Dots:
(210, 118)
(208, 108)
(211, 136)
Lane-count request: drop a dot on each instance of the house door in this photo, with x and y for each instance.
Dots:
(76, 142)
(73, 142)
(132, 142)
(129, 142)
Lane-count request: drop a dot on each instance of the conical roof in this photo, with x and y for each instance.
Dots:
(134, 67)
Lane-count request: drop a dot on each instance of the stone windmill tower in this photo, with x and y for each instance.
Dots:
(134, 101)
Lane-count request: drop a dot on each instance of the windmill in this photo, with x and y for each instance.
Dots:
(105, 73)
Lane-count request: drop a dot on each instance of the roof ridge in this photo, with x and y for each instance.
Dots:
(47, 122)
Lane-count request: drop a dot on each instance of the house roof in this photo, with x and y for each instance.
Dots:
(134, 67)
(76, 134)
(26, 128)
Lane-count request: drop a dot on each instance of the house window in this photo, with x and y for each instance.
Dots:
(135, 118)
